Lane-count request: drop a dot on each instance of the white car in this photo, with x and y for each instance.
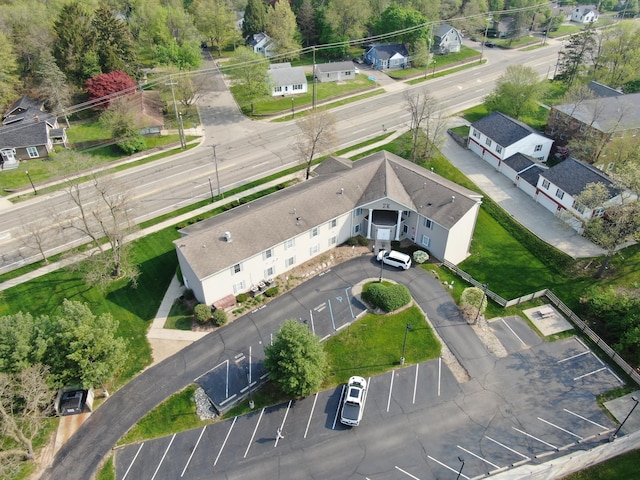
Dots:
(394, 258)
(354, 400)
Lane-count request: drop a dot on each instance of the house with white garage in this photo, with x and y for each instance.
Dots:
(559, 185)
(382, 197)
(287, 80)
(497, 136)
(585, 14)
(523, 170)
(335, 71)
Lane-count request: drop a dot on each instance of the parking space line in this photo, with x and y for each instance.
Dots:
(535, 438)
(447, 467)
(439, 374)
(253, 435)
(346, 292)
(313, 407)
(597, 358)
(342, 326)
(477, 456)
(228, 399)
(313, 328)
(321, 307)
(193, 451)
(249, 379)
(589, 373)
(282, 425)
(225, 441)
(415, 384)
(210, 370)
(390, 389)
(574, 356)
(586, 419)
(335, 419)
(163, 456)
(406, 473)
(132, 461)
(511, 330)
(560, 428)
(508, 448)
(333, 321)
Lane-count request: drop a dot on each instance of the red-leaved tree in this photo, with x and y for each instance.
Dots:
(108, 86)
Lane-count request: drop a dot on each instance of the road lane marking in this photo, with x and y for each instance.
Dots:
(447, 467)
(535, 438)
(511, 330)
(282, 424)
(478, 457)
(321, 307)
(163, 457)
(560, 428)
(313, 328)
(415, 383)
(225, 441)
(586, 419)
(593, 372)
(346, 292)
(406, 473)
(574, 356)
(193, 451)
(253, 435)
(313, 407)
(390, 390)
(508, 448)
(335, 419)
(133, 461)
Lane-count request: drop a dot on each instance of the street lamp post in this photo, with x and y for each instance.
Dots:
(183, 142)
(615, 434)
(248, 372)
(293, 112)
(215, 162)
(404, 345)
(484, 294)
(35, 192)
(461, 459)
(211, 189)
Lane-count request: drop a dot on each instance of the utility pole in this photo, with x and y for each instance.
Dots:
(313, 96)
(178, 116)
(215, 162)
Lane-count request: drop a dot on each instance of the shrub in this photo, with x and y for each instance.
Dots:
(241, 298)
(202, 313)
(386, 297)
(271, 292)
(352, 241)
(219, 317)
(470, 302)
(132, 143)
(362, 241)
(420, 256)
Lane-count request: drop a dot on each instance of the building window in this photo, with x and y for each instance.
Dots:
(239, 287)
(269, 272)
(278, 89)
(425, 241)
(488, 142)
(406, 213)
(358, 212)
(267, 254)
(428, 223)
(33, 152)
(289, 243)
(559, 194)
(333, 223)
(577, 206)
(498, 149)
(546, 184)
(538, 148)
(314, 232)
(237, 268)
(289, 262)
(333, 240)
(405, 229)
(476, 133)
(314, 249)
(356, 229)
(598, 212)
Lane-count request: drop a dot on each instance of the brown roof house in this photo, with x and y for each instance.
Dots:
(28, 132)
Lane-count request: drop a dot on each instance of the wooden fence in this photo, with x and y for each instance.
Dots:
(560, 305)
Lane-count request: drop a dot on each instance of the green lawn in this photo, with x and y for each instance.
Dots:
(180, 317)
(464, 54)
(624, 467)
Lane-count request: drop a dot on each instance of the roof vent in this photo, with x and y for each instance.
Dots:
(227, 237)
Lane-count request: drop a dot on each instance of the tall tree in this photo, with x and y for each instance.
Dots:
(114, 43)
(318, 133)
(283, 30)
(428, 123)
(251, 75)
(619, 55)
(51, 85)
(396, 17)
(215, 20)
(517, 93)
(107, 86)
(24, 341)
(296, 360)
(306, 18)
(577, 56)
(255, 18)
(9, 80)
(348, 19)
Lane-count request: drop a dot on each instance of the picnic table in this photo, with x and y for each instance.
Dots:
(546, 312)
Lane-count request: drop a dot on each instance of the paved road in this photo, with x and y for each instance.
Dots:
(529, 374)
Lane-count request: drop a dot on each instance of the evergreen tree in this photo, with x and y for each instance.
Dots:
(283, 30)
(255, 18)
(576, 56)
(306, 18)
(114, 43)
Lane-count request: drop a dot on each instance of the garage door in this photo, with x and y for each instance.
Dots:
(547, 203)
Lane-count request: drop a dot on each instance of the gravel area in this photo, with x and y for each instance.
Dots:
(203, 405)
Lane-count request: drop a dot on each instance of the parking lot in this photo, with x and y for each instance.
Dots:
(536, 403)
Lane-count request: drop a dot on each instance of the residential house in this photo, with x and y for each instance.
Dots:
(287, 80)
(382, 197)
(261, 43)
(387, 56)
(596, 121)
(523, 170)
(147, 106)
(559, 185)
(503, 28)
(496, 137)
(28, 132)
(335, 72)
(600, 90)
(446, 39)
(585, 14)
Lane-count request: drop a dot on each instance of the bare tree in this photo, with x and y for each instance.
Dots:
(37, 234)
(26, 400)
(318, 134)
(428, 123)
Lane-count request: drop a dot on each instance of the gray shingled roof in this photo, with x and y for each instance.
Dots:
(335, 190)
(386, 51)
(612, 114)
(573, 176)
(519, 161)
(334, 67)
(503, 129)
(443, 30)
(20, 135)
(532, 174)
(282, 76)
(600, 90)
